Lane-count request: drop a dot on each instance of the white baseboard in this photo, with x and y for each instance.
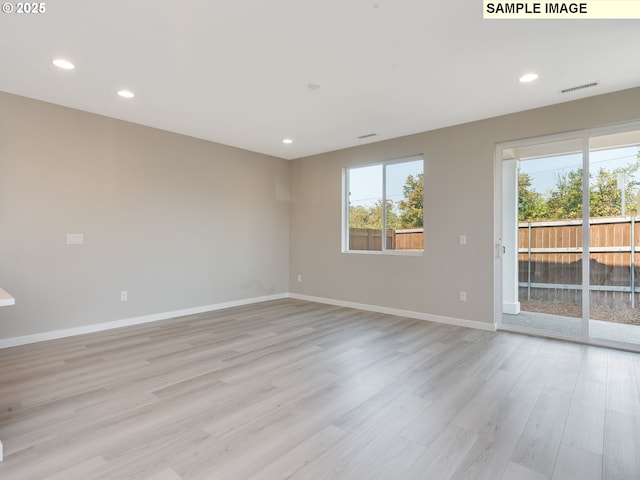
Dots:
(491, 327)
(511, 308)
(99, 327)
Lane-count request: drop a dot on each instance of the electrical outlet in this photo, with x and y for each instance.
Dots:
(463, 296)
(462, 240)
(124, 296)
(299, 278)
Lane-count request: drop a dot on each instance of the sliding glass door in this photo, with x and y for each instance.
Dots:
(569, 236)
(543, 237)
(613, 212)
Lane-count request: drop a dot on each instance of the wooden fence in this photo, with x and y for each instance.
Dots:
(550, 261)
(396, 239)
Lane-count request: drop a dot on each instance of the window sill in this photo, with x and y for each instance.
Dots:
(393, 253)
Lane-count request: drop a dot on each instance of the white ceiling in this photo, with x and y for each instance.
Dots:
(237, 71)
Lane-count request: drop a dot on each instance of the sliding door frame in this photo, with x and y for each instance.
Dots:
(585, 136)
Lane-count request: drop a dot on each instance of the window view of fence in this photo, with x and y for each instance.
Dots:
(400, 239)
(550, 266)
(550, 232)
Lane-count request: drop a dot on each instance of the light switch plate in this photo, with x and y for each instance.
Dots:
(75, 239)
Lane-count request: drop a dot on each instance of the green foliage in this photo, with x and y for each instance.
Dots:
(411, 208)
(606, 198)
(359, 216)
(362, 217)
(531, 204)
(564, 200)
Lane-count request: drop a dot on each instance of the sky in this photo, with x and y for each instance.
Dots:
(544, 171)
(365, 184)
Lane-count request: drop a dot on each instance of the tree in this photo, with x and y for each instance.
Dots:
(407, 213)
(359, 216)
(565, 199)
(531, 204)
(375, 217)
(605, 199)
(363, 217)
(411, 208)
(605, 195)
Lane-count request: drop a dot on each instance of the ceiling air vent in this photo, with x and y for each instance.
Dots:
(579, 87)
(368, 135)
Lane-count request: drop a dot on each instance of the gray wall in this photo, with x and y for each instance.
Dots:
(459, 181)
(175, 221)
(182, 223)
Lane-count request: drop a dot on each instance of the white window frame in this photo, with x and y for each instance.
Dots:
(346, 209)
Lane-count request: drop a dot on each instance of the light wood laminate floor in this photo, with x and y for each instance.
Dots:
(297, 390)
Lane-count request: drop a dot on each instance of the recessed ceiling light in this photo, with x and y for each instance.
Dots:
(528, 77)
(63, 64)
(126, 93)
(287, 141)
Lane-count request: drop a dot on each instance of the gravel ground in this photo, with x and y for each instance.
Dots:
(627, 316)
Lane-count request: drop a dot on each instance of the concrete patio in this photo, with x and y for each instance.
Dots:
(618, 332)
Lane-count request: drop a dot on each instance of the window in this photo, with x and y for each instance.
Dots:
(386, 197)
